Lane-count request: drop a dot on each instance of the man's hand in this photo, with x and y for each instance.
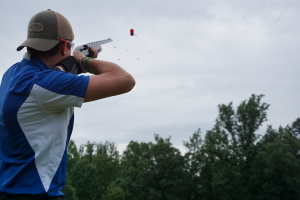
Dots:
(68, 65)
(77, 55)
(93, 52)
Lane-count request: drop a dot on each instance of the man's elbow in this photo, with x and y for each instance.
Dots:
(130, 83)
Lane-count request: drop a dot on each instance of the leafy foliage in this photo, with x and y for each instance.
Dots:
(114, 193)
(231, 162)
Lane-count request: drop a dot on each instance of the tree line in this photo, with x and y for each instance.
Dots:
(230, 162)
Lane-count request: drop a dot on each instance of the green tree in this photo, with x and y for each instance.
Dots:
(294, 131)
(231, 162)
(89, 152)
(194, 163)
(114, 193)
(241, 126)
(225, 155)
(153, 171)
(73, 155)
(72, 159)
(107, 161)
(85, 182)
(224, 164)
(69, 191)
(276, 171)
(81, 151)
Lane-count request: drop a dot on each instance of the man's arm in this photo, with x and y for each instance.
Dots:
(109, 79)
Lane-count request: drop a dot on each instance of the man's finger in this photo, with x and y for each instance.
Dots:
(94, 52)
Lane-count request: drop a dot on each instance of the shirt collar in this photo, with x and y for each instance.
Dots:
(35, 61)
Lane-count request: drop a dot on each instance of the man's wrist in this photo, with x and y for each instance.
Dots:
(83, 69)
(77, 55)
(86, 64)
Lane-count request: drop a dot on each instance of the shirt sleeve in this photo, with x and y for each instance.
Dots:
(57, 90)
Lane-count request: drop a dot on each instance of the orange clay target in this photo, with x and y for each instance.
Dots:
(131, 32)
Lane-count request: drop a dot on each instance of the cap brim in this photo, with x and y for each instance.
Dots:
(38, 44)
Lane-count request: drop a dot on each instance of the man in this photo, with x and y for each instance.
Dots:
(37, 105)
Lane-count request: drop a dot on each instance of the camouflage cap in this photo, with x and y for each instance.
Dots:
(45, 29)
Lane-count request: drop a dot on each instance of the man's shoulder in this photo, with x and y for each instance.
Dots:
(30, 71)
(22, 67)
(18, 74)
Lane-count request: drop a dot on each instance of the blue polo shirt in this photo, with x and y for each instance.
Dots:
(36, 123)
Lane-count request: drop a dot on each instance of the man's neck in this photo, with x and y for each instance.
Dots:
(50, 61)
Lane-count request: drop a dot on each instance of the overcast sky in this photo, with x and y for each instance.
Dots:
(187, 58)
